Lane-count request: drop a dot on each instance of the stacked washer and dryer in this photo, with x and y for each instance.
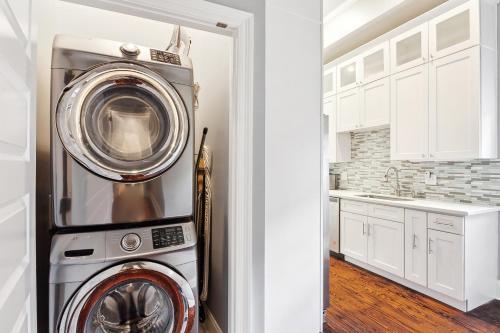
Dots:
(123, 254)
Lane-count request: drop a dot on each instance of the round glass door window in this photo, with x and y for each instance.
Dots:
(139, 297)
(137, 306)
(123, 122)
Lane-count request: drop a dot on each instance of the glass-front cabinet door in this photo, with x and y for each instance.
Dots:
(375, 63)
(348, 74)
(329, 81)
(456, 30)
(410, 49)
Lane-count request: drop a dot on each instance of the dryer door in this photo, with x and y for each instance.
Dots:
(123, 122)
(138, 296)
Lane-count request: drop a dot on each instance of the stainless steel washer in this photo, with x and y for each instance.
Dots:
(147, 283)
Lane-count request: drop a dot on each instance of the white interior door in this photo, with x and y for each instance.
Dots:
(17, 167)
(386, 245)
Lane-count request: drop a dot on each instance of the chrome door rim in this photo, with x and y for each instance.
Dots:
(69, 321)
(71, 109)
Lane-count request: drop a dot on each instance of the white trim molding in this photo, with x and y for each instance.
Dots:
(206, 15)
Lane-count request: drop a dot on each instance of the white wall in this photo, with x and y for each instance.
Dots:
(210, 54)
(293, 250)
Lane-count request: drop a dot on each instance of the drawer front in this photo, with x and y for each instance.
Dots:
(355, 207)
(387, 212)
(447, 223)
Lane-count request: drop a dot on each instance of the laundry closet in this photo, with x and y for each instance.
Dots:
(132, 173)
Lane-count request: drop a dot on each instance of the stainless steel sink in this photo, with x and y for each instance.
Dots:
(383, 197)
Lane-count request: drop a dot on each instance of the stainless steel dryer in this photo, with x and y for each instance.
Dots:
(121, 133)
(134, 280)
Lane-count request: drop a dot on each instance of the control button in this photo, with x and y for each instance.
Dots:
(129, 49)
(131, 242)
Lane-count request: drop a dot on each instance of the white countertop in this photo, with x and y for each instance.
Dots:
(421, 204)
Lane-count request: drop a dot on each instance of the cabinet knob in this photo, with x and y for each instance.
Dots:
(423, 155)
(423, 58)
(432, 155)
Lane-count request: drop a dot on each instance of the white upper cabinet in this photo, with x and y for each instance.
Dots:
(375, 103)
(329, 82)
(348, 114)
(454, 106)
(348, 74)
(456, 30)
(375, 63)
(339, 144)
(410, 49)
(409, 114)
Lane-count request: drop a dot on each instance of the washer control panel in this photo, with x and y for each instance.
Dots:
(167, 236)
(164, 56)
(131, 242)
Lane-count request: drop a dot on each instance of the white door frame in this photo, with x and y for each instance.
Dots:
(208, 16)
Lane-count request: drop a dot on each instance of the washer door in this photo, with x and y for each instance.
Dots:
(123, 122)
(139, 296)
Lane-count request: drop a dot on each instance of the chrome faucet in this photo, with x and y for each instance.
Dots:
(397, 188)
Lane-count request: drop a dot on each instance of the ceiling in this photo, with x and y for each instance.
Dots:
(330, 5)
(349, 24)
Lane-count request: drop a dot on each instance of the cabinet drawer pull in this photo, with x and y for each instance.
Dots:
(368, 229)
(364, 232)
(414, 245)
(443, 223)
(430, 246)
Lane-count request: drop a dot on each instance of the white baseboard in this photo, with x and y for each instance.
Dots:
(211, 323)
(498, 289)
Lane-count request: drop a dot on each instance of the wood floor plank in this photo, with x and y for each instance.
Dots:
(361, 301)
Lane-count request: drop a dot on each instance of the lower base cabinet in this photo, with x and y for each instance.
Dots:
(434, 253)
(386, 245)
(446, 263)
(416, 246)
(353, 235)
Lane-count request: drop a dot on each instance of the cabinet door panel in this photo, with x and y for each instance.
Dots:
(353, 235)
(348, 75)
(409, 49)
(454, 103)
(375, 103)
(409, 114)
(348, 110)
(455, 30)
(375, 63)
(329, 82)
(386, 245)
(446, 263)
(416, 246)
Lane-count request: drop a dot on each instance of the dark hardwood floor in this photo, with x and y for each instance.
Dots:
(361, 301)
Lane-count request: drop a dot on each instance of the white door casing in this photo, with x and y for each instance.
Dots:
(17, 167)
(205, 15)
